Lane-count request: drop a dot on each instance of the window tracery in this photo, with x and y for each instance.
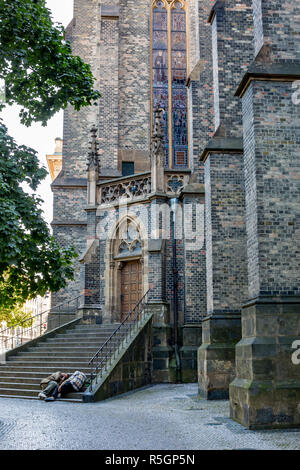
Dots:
(130, 241)
(169, 74)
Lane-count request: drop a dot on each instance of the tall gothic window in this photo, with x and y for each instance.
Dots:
(169, 64)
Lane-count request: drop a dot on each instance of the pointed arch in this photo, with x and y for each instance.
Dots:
(129, 233)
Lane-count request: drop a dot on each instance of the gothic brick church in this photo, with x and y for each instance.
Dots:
(184, 183)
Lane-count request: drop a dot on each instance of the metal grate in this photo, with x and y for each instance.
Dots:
(6, 426)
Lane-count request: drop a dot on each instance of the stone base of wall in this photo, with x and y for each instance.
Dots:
(56, 320)
(191, 340)
(90, 315)
(266, 390)
(216, 355)
(163, 354)
(265, 405)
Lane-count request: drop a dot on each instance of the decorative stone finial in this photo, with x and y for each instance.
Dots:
(93, 157)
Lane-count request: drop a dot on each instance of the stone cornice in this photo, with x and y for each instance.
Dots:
(62, 182)
(192, 189)
(282, 72)
(222, 145)
(110, 12)
(269, 300)
(56, 223)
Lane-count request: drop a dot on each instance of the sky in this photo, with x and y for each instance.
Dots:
(42, 139)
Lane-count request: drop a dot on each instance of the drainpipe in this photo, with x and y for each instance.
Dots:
(174, 203)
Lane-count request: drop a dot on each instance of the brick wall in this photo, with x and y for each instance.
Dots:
(84, 34)
(109, 88)
(272, 138)
(232, 51)
(280, 27)
(195, 305)
(134, 75)
(225, 233)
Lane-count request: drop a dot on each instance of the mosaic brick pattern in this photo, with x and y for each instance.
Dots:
(84, 34)
(225, 233)
(272, 138)
(109, 88)
(232, 51)
(134, 75)
(194, 260)
(280, 28)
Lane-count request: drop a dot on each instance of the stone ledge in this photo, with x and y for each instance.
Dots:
(280, 299)
(221, 316)
(288, 71)
(192, 189)
(155, 246)
(68, 222)
(62, 182)
(223, 145)
(110, 11)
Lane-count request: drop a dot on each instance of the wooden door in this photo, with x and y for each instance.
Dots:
(131, 287)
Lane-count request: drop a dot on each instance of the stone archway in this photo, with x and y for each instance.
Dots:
(126, 257)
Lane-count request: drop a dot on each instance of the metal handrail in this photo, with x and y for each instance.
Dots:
(131, 320)
(8, 334)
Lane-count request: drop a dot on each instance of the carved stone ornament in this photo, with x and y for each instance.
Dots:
(93, 155)
(130, 242)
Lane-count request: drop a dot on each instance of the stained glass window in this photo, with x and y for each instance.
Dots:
(161, 67)
(169, 65)
(179, 91)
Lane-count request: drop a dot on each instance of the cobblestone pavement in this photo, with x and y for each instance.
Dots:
(162, 417)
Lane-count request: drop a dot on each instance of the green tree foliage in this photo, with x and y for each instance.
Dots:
(42, 76)
(16, 316)
(31, 262)
(40, 72)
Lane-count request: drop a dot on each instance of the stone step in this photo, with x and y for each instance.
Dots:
(35, 397)
(86, 355)
(102, 326)
(83, 338)
(21, 380)
(34, 355)
(66, 341)
(50, 358)
(16, 391)
(61, 349)
(32, 375)
(95, 346)
(84, 343)
(48, 369)
(19, 386)
(97, 331)
(65, 348)
(67, 352)
(56, 363)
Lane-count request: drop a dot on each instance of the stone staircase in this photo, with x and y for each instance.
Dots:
(69, 351)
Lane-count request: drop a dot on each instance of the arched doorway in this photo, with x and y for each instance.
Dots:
(126, 275)
(131, 286)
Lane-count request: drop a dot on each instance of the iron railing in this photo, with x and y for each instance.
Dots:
(39, 324)
(107, 353)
